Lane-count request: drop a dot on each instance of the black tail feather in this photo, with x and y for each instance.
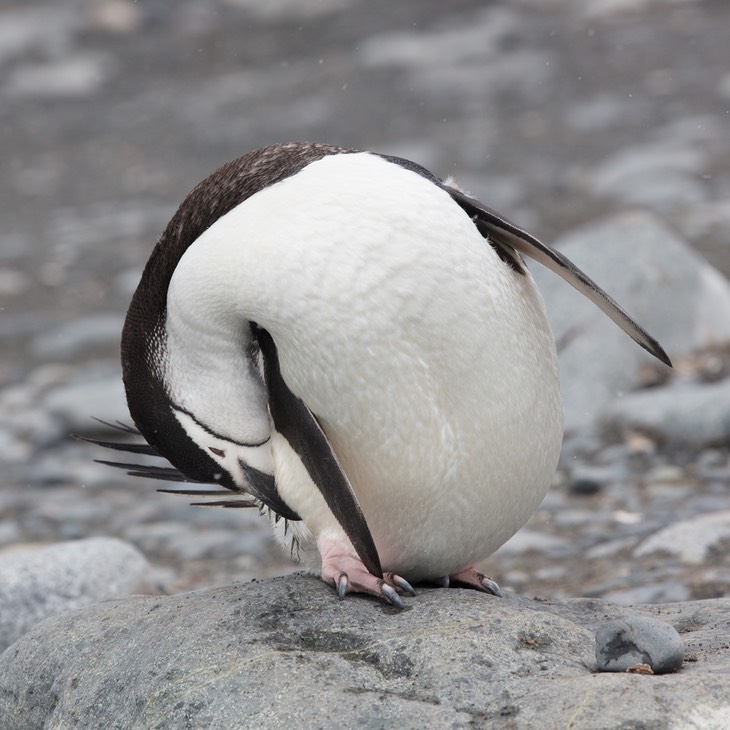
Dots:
(166, 473)
(230, 503)
(121, 446)
(197, 492)
(163, 473)
(119, 426)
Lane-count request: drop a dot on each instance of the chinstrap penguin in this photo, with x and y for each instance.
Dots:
(355, 346)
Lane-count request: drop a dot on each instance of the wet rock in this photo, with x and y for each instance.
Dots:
(658, 279)
(37, 582)
(254, 655)
(638, 640)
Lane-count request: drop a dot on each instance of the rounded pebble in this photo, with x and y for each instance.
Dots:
(584, 486)
(638, 640)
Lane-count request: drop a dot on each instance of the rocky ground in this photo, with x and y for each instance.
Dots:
(254, 656)
(562, 115)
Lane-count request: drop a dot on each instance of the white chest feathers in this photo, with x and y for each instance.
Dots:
(426, 359)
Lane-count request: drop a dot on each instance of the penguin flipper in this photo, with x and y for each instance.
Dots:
(298, 425)
(510, 238)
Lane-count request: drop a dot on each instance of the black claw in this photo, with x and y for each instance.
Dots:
(390, 595)
(444, 581)
(404, 585)
(491, 587)
(342, 586)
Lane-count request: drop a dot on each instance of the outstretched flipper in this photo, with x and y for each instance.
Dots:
(512, 238)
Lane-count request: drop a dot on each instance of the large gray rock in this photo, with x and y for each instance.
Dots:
(42, 581)
(690, 416)
(692, 541)
(286, 653)
(657, 278)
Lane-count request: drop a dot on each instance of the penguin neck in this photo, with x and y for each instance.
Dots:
(210, 371)
(332, 263)
(145, 344)
(211, 199)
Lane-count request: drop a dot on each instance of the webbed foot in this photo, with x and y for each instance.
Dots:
(471, 578)
(347, 574)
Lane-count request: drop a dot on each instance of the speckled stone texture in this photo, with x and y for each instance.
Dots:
(41, 581)
(638, 640)
(286, 653)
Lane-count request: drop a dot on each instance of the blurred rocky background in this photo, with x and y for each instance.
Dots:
(600, 125)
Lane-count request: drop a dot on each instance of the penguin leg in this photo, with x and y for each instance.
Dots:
(472, 578)
(348, 574)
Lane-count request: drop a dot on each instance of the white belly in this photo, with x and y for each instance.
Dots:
(450, 448)
(427, 360)
(437, 385)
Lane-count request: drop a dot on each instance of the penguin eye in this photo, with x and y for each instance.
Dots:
(217, 452)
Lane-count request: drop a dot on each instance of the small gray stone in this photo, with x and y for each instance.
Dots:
(667, 591)
(37, 582)
(589, 480)
(638, 640)
(527, 540)
(76, 75)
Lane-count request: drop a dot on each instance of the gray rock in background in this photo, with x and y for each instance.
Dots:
(73, 339)
(93, 392)
(687, 416)
(256, 655)
(38, 582)
(692, 540)
(657, 278)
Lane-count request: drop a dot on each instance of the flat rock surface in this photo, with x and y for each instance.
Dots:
(286, 653)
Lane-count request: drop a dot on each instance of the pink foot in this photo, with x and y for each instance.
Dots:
(471, 578)
(347, 574)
